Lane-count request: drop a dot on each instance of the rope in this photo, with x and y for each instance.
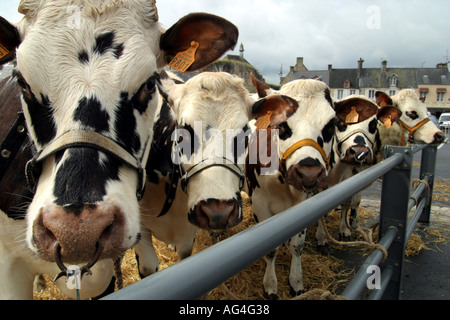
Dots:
(366, 245)
(415, 184)
(319, 294)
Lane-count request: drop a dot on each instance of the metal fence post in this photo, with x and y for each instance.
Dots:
(428, 168)
(394, 213)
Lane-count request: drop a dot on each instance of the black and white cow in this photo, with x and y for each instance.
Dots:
(197, 161)
(88, 71)
(356, 145)
(305, 131)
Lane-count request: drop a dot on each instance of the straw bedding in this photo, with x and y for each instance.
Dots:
(322, 273)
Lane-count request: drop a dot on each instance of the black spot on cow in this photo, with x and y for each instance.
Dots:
(91, 115)
(412, 115)
(104, 42)
(284, 131)
(328, 131)
(83, 57)
(125, 124)
(341, 126)
(81, 179)
(118, 50)
(373, 126)
(327, 95)
(41, 115)
(359, 141)
(320, 141)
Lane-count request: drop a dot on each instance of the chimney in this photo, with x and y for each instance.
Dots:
(360, 66)
(383, 76)
(330, 67)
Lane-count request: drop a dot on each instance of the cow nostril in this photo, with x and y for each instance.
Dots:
(439, 137)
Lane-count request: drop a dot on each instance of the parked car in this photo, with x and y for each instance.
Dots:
(444, 121)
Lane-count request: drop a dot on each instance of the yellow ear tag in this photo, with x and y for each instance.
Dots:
(352, 117)
(183, 60)
(264, 121)
(388, 123)
(3, 51)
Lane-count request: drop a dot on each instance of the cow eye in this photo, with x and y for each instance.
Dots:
(26, 90)
(284, 131)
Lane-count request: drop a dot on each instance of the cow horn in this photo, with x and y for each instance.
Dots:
(21, 9)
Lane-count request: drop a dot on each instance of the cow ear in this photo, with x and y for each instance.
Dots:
(388, 115)
(355, 110)
(262, 88)
(197, 40)
(9, 41)
(273, 110)
(383, 99)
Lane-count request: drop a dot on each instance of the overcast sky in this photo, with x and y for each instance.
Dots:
(407, 33)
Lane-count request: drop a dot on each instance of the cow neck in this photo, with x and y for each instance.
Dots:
(412, 130)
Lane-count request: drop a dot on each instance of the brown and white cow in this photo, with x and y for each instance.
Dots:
(305, 132)
(88, 71)
(356, 145)
(197, 162)
(414, 125)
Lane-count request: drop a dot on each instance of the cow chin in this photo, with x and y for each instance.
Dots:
(77, 233)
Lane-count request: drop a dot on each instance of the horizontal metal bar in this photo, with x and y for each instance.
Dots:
(386, 276)
(185, 279)
(418, 147)
(413, 221)
(357, 285)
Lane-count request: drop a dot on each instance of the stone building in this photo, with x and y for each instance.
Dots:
(431, 84)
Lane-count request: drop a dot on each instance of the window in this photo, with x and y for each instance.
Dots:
(393, 81)
(371, 94)
(423, 95)
(352, 92)
(340, 94)
(440, 94)
(347, 84)
(392, 92)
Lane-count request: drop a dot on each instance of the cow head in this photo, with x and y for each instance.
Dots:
(357, 129)
(88, 72)
(212, 111)
(305, 128)
(414, 121)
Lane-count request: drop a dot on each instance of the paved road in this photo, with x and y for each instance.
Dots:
(427, 275)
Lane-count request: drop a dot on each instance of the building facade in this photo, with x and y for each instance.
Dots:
(431, 84)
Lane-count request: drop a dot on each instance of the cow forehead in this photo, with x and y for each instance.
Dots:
(64, 34)
(218, 99)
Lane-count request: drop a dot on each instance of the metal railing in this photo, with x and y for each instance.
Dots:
(197, 275)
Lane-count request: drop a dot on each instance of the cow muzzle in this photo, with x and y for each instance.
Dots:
(358, 155)
(216, 215)
(79, 232)
(308, 176)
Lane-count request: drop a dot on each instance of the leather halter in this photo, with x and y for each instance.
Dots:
(88, 139)
(410, 130)
(300, 144)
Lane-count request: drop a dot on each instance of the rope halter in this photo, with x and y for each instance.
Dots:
(410, 130)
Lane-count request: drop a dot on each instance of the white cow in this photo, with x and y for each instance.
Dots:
(89, 97)
(198, 162)
(414, 125)
(305, 133)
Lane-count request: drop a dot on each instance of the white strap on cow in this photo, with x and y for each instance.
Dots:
(90, 139)
(352, 133)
